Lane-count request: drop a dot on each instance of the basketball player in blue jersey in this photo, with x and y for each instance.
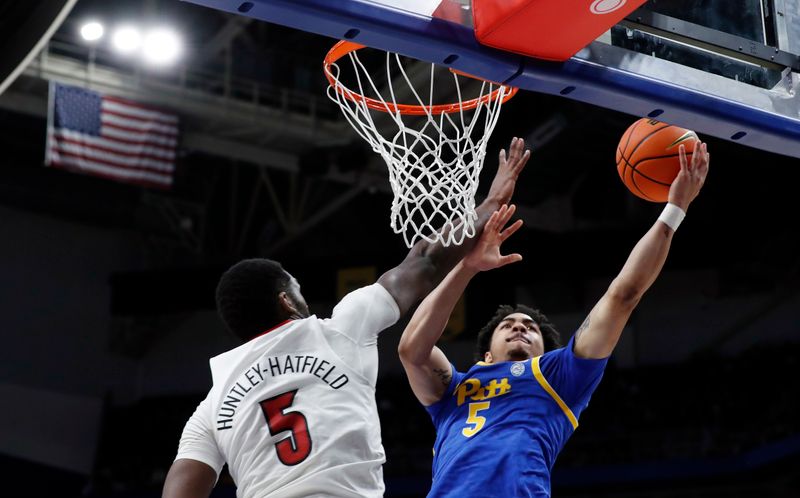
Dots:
(501, 424)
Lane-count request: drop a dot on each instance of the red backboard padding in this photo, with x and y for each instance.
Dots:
(546, 29)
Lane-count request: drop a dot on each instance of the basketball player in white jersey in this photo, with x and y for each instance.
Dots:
(292, 411)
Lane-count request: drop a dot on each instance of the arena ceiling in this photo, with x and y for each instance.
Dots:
(286, 177)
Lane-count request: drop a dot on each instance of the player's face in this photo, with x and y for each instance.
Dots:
(297, 298)
(516, 338)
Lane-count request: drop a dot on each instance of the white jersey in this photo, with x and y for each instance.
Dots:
(293, 411)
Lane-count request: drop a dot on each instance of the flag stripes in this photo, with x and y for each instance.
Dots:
(110, 137)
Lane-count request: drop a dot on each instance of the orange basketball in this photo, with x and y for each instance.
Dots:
(647, 157)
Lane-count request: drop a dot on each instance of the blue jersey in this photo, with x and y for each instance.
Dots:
(500, 426)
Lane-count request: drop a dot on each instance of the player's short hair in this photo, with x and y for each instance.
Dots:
(247, 296)
(550, 336)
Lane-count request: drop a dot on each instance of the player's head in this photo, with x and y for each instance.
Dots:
(255, 295)
(516, 333)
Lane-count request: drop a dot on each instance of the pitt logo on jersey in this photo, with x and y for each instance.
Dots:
(472, 390)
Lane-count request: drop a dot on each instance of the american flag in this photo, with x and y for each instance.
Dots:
(110, 137)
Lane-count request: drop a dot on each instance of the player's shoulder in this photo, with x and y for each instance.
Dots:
(224, 363)
(559, 353)
(369, 295)
(564, 362)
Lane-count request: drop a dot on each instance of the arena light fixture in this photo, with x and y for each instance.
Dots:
(161, 46)
(126, 39)
(92, 31)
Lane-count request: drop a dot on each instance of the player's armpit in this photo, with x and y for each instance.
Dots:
(429, 377)
(189, 478)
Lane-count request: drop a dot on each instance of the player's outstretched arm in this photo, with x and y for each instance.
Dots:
(427, 264)
(428, 369)
(601, 330)
(189, 479)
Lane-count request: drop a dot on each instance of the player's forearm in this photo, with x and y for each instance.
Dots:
(644, 263)
(428, 264)
(429, 321)
(598, 335)
(648, 257)
(443, 259)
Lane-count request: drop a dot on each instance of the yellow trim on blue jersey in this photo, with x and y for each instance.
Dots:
(482, 363)
(537, 372)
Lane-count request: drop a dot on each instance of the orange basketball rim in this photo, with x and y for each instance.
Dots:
(344, 47)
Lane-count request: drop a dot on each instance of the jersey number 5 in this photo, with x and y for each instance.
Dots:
(475, 419)
(295, 447)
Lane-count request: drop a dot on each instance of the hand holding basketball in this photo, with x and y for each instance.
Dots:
(648, 159)
(508, 171)
(486, 253)
(691, 177)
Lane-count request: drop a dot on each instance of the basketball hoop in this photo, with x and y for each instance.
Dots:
(434, 157)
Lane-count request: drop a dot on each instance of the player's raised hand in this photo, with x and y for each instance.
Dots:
(691, 177)
(486, 253)
(508, 170)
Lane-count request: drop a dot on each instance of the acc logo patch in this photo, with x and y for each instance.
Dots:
(517, 369)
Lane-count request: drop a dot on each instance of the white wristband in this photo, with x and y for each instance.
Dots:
(672, 216)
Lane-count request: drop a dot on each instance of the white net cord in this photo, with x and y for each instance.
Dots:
(434, 159)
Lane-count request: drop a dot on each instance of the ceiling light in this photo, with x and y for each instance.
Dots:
(127, 39)
(161, 46)
(92, 31)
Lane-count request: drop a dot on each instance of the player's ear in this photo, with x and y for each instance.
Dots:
(487, 357)
(286, 303)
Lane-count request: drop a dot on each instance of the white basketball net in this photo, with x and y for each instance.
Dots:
(434, 159)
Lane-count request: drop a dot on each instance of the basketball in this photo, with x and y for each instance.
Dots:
(647, 157)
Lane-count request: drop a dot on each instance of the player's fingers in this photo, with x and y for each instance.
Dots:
(703, 170)
(511, 258)
(515, 149)
(522, 147)
(525, 156)
(698, 156)
(502, 156)
(501, 218)
(508, 232)
(702, 157)
(682, 157)
(506, 215)
(491, 224)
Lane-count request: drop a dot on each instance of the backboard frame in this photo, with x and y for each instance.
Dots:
(600, 74)
(728, 44)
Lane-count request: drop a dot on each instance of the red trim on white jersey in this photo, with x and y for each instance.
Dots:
(273, 328)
